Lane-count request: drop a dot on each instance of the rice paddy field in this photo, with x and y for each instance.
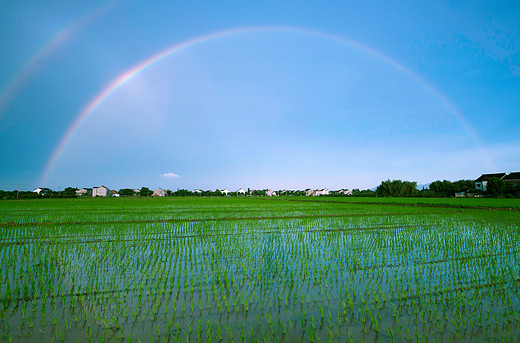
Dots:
(256, 270)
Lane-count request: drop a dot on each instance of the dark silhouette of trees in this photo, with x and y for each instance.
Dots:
(397, 188)
(126, 192)
(145, 192)
(495, 187)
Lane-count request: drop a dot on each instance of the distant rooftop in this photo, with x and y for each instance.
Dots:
(486, 177)
(512, 176)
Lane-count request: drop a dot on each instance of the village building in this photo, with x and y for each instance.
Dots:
(513, 178)
(42, 191)
(320, 192)
(270, 193)
(84, 192)
(159, 192)
(241, 192)
(344, 192)
(100, 191)
(482, 181)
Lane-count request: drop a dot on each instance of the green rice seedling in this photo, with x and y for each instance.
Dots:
(229, 332)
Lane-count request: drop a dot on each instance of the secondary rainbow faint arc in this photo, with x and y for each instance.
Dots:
(30, 68)
(120, 80)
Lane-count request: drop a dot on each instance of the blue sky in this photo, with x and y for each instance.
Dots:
(273, 94)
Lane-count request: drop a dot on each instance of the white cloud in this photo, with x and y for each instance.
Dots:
(169, 175)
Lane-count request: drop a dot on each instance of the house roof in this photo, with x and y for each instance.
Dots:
(485, 177)
(512, 176)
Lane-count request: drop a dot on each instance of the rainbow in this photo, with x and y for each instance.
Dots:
(30, 68)
(120, 80)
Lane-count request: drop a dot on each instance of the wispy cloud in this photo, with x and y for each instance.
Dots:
(170, 175)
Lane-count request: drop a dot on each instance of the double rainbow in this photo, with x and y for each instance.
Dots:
(120, 80)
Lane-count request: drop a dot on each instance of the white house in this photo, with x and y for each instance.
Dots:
(270, 193)
(345, 192)
(159, 192)
(224, 191)
(38, 190)
(198, 191)
(317, 192)
(100, 191)
(481, 182)
(83, 192)
(241, 192)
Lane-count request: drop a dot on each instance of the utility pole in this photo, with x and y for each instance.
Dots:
(18, 193)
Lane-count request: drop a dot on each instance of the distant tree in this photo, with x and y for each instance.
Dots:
(436, 188)
(218, 193)
(181, 193)
(259, 192)
(12, 195)
(126, 192)
(446, 188)
(145, 192)
(69, 192)
(27, 195)
(443, 188)
(396, 188)
(363, 193)
(495, 187)
(467, 186)
(512, 190)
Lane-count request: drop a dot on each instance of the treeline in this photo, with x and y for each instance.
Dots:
(390, 188)
(500, 188)
(494, 188)
(69, 192)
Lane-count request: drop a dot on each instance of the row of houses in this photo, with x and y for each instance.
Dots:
(239, 191)
(325, 191)
(103, 191)
(95, 191)
(481, 182)
(270, 192)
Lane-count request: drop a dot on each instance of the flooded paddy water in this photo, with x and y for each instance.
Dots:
(227, 269)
